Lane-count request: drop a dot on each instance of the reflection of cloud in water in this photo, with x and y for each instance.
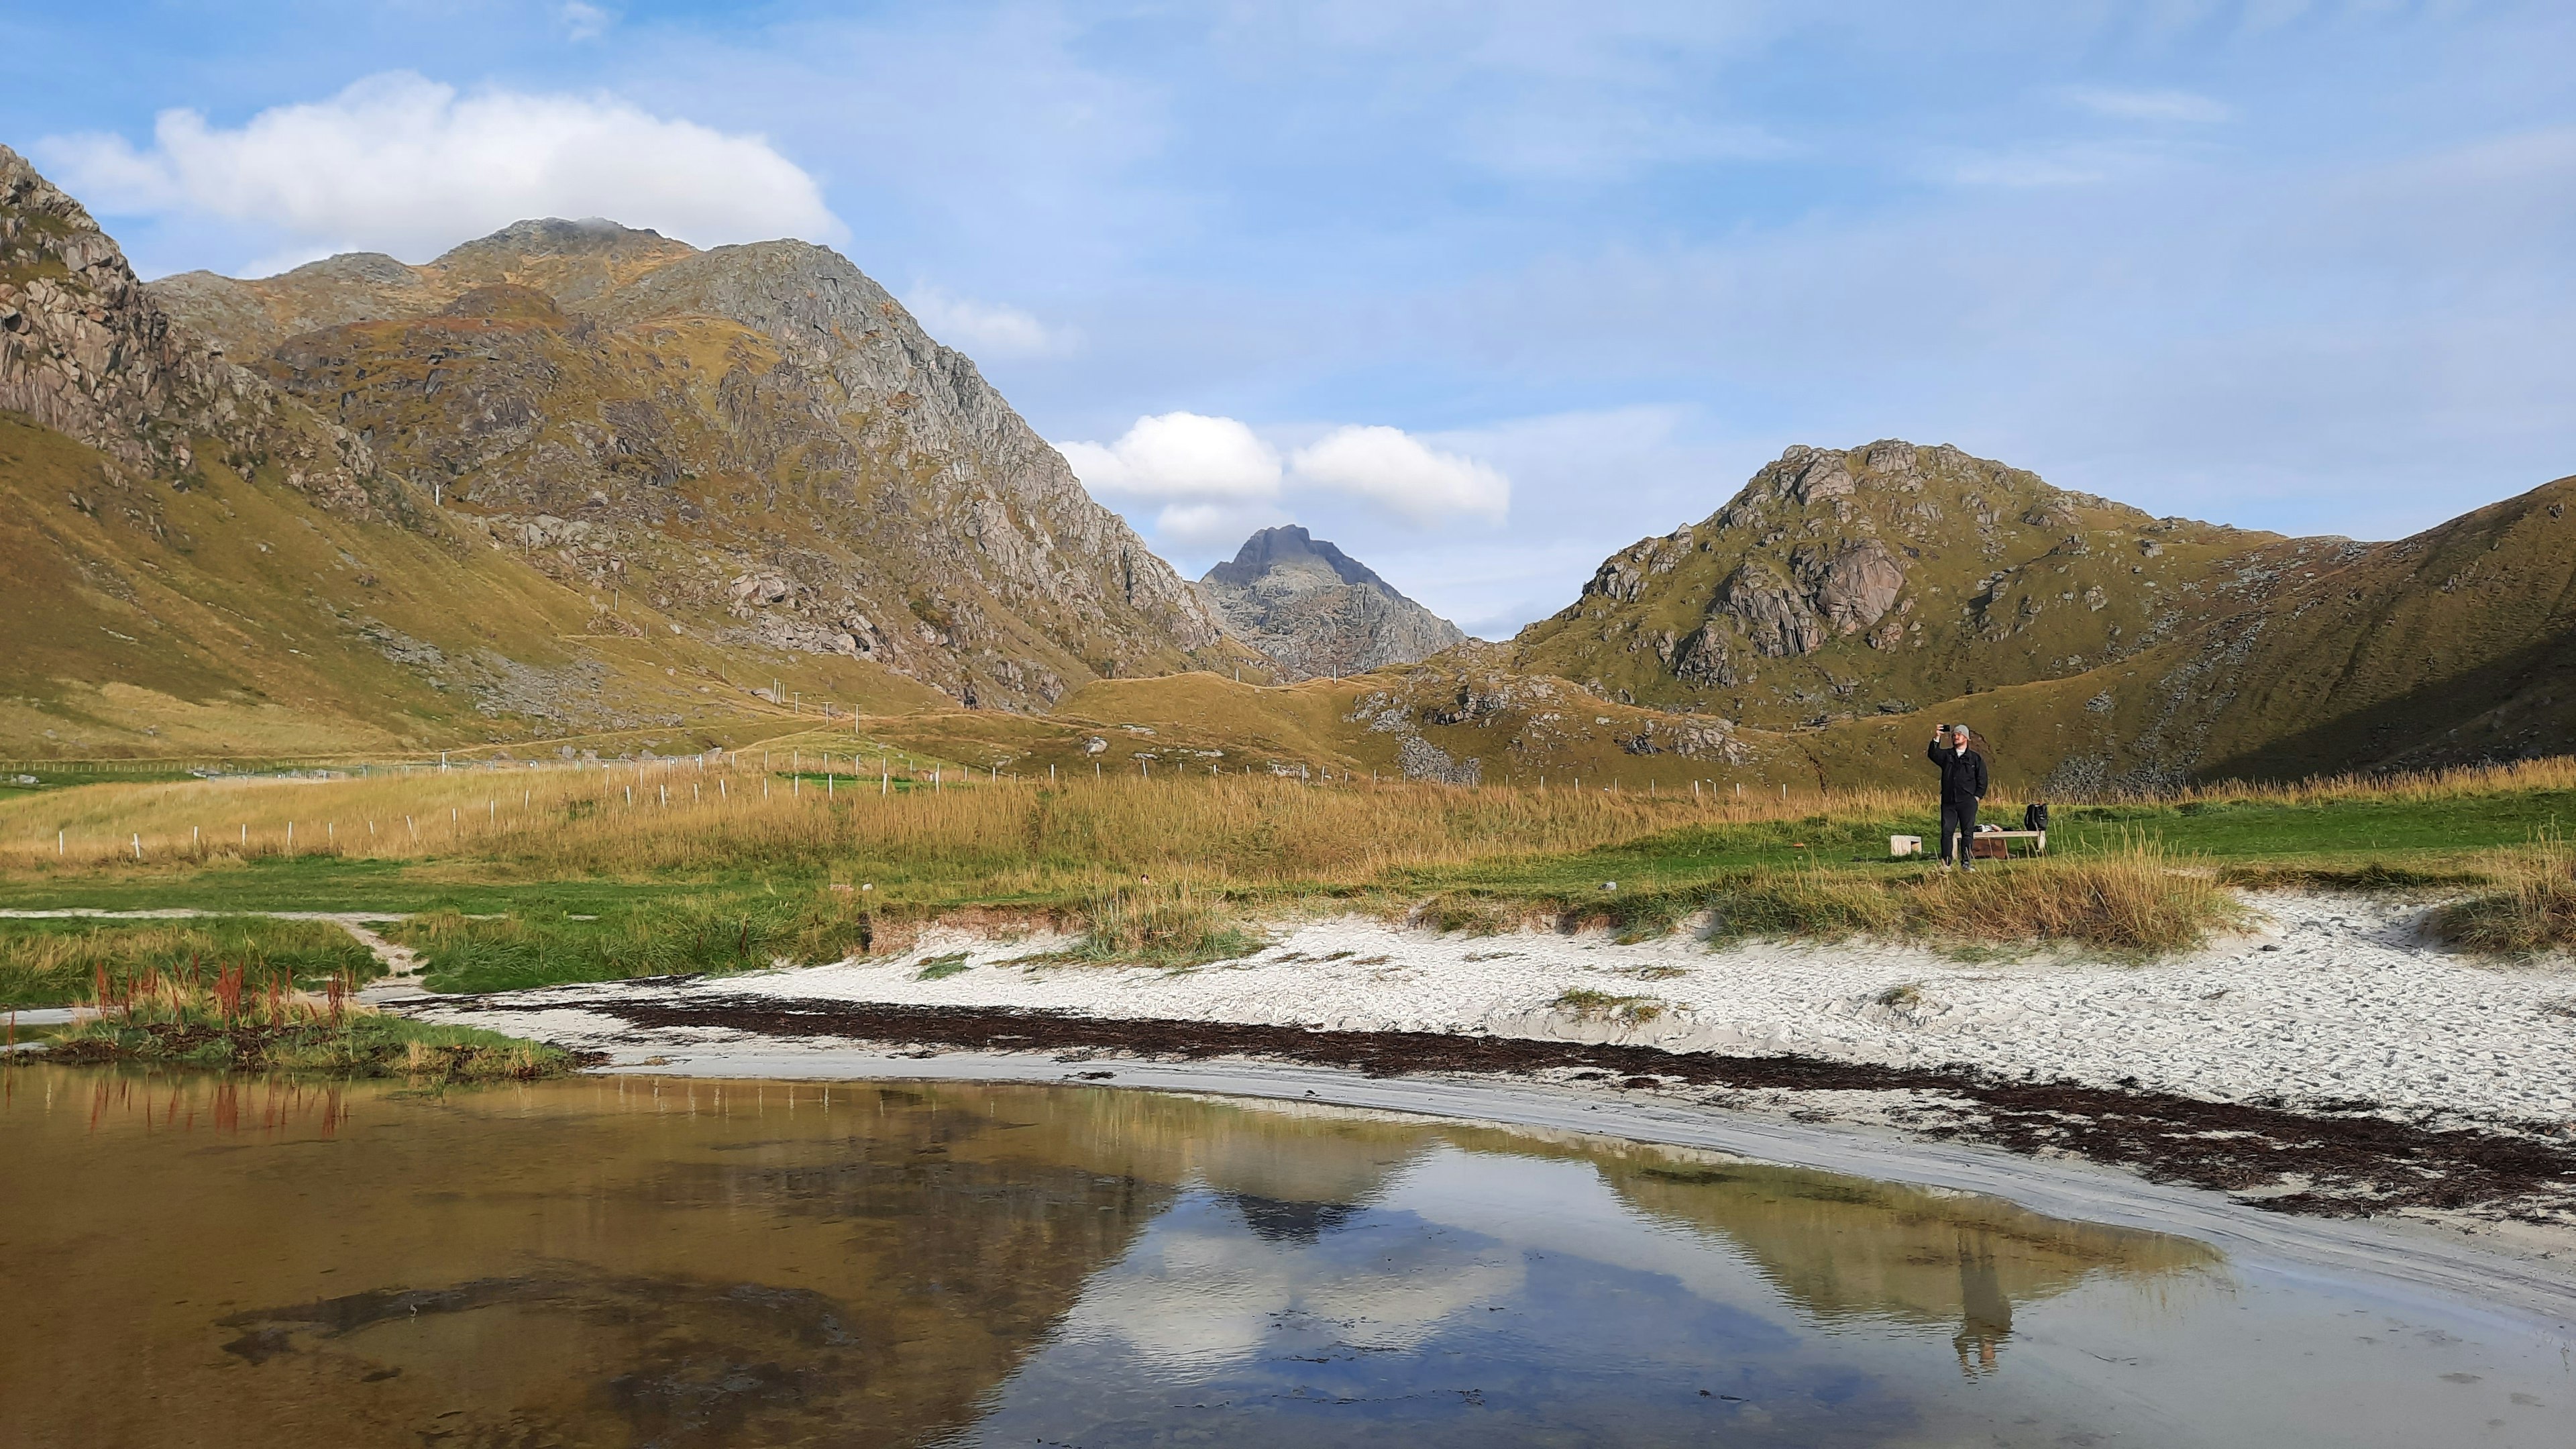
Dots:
(1199, 1290)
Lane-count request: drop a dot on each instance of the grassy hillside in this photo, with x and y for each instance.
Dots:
(1455, 719)
(1851, 600)
(235, 617)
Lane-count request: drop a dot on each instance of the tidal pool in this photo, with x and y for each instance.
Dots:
(193, 1260)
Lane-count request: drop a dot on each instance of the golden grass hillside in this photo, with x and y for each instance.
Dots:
(234, 617)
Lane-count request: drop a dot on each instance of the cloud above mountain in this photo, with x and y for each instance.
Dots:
(403, 164)
(1216, 477)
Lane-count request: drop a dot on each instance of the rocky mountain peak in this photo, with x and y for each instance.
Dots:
(1290, 546)
(1844, 581)
(575, 262)
(1316, 610)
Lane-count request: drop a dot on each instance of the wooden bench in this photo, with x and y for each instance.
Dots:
(1905, 845)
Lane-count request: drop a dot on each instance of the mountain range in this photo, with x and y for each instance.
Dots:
(575, 481)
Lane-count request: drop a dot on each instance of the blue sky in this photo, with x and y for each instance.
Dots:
(1484, 291)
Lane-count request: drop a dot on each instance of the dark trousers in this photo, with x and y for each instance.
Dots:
(1958, 818)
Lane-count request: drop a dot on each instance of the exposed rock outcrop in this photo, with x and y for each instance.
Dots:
(86, 350)
(1317, 611)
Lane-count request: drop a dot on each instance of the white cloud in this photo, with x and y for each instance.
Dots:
(583, 21)
(403, 164)
(1218, 480)
(2129, 105)
(1400, 472)
(1213, 525)
(1180, 456)
(986, 329)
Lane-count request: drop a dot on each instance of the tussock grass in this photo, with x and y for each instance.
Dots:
(1173, 924)
(54, 962)
(2133, 899)
(706, 865)
(2137, 899)
(223, 1023)
(2556, 773)
(1591, 1005)
(2534, 911)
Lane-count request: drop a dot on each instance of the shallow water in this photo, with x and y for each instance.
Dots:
(199, 1260)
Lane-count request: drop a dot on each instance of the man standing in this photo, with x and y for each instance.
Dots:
(1963, 784)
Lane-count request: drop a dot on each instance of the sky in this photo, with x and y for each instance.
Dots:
(1485, 290)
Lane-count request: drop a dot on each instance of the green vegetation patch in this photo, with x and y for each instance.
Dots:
(54, 962)
(358, 1044)
(711, 933)
(1591, 1005)
(1151, 925)
(2369, 876)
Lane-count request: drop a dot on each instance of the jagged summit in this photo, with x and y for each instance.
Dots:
(1283, 547)
(1316, 610)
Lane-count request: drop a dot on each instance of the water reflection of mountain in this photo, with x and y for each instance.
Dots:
(1274, 1220)
(592, 1262)
(676, 1263)
(1843, 1247)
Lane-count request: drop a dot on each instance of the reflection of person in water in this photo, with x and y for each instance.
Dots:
(1985, 1312)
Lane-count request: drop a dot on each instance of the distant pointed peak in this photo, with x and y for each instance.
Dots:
(1286, 543)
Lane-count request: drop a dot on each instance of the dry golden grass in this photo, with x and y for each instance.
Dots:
(1017, 834)
(2133, 899)
(2533, 912)
(2558, 772)
(1172, 924)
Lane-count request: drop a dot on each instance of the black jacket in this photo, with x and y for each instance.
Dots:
(1963, 772)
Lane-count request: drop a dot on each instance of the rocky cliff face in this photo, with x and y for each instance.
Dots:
(758, 437)
(1317, 611)
(89, 352)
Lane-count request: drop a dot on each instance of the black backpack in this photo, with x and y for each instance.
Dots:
(2034, 817)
